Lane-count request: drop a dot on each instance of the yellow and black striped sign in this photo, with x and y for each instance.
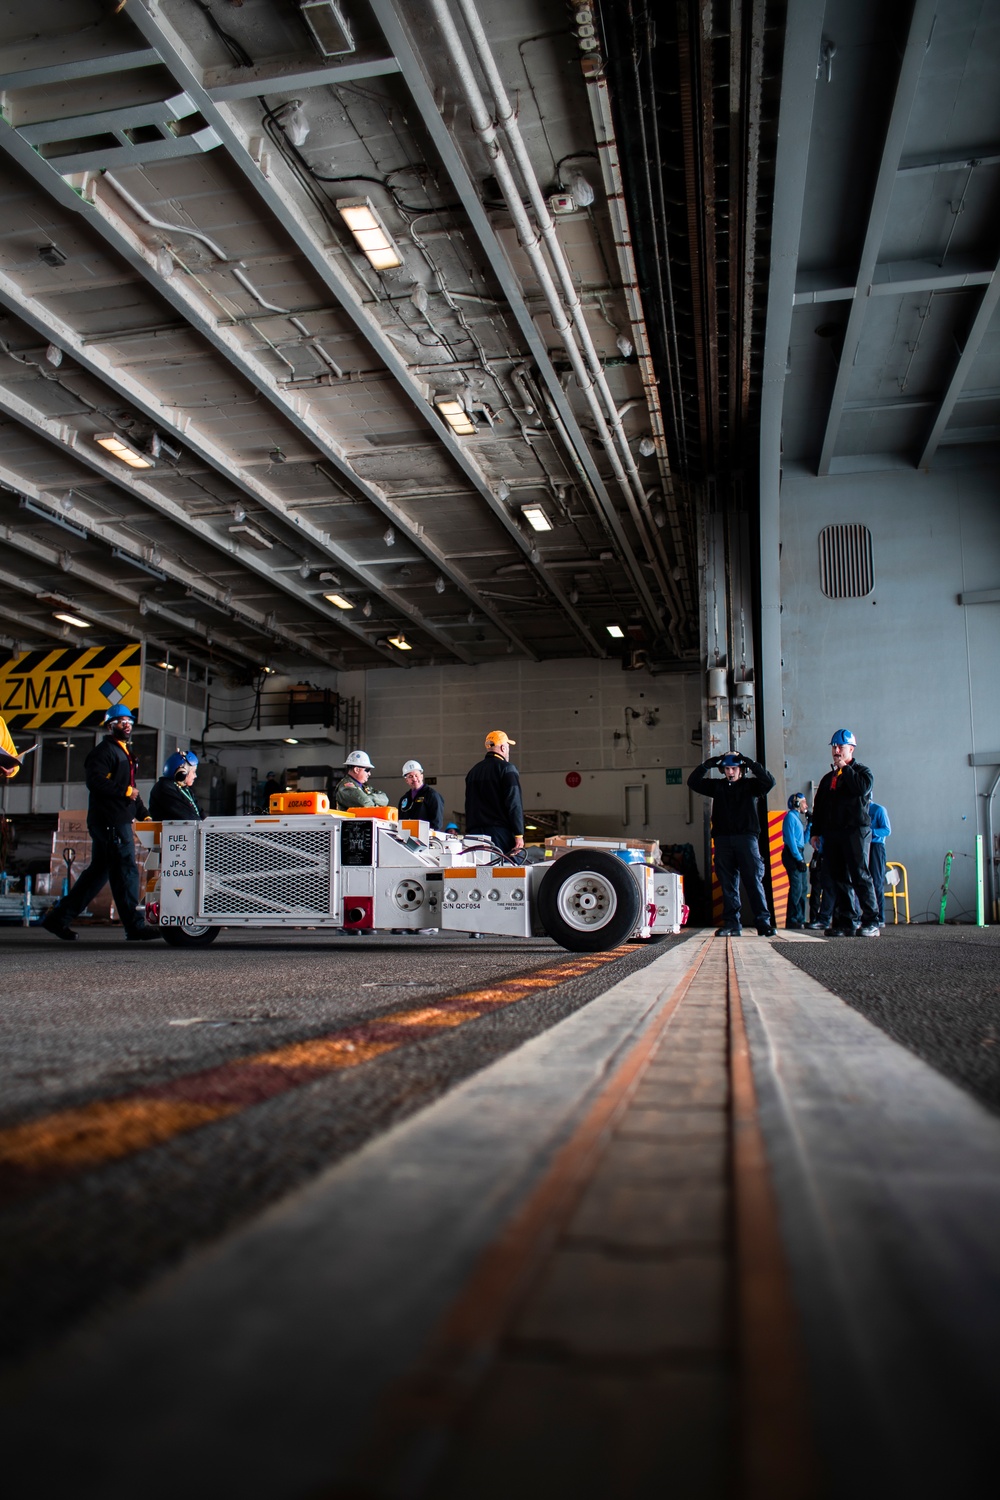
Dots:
(60, 689)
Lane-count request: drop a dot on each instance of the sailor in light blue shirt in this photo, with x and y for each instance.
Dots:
(881, 830)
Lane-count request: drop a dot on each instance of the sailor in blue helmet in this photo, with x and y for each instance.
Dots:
(793, 836)
(842, 819)
(736, 835)
(115, 804)
(172, 799)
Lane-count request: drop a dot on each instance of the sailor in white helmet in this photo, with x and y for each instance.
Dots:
(420, 800)
(354, 790)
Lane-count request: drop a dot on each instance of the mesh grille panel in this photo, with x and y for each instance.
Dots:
(846, 566)
(257, 874)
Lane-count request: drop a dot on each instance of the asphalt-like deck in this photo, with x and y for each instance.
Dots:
(702, 1218)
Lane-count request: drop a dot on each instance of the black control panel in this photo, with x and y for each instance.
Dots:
(357, 841)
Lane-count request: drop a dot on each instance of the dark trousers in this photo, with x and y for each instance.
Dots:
(876, 869)
(738, 854)
(798, 890)
(112, 859)
(848, 856)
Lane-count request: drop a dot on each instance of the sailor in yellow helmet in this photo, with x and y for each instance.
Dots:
(493, 803)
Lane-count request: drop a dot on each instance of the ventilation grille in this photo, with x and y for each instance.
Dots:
(846, 569)
(285, 872)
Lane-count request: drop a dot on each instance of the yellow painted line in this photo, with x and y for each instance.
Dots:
(102, 1131)
(74, 1140)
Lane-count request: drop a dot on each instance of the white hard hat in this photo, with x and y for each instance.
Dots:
(412, 765)
(359, 758)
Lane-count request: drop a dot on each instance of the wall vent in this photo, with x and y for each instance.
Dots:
(846, 569)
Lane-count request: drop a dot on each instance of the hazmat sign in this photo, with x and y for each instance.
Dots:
(60, 689)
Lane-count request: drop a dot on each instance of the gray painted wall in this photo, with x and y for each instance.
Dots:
(909, 669)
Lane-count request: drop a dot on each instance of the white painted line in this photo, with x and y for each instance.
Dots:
(888, 1179)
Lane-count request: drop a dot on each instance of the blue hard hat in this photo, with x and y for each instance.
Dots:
(118, 711)
(795, 799)
(843, 737)
(178, 761)
(730, 760)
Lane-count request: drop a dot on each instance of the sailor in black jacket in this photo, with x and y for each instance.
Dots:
(115, 803)
(735, 833)
(841, 818)
(171, 799)
(493, 796)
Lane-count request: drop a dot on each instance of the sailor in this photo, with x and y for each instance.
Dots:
(420, 800)
(354, 790)
(115, 804)
(171, 799)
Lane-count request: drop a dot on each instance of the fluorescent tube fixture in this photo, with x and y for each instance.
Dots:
(123, 450)
(330, 30)
(373, 239)
(71, 619)
(617, 632)
(290, 741)
(536, 517)
(400, 642)
(339, 601)
(455, 415)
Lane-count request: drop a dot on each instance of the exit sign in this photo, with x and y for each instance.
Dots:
(673, 776)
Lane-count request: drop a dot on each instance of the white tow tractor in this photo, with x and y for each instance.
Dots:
(306, 866)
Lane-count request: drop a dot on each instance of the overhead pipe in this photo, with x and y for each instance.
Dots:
(626, 470)
(529, 238)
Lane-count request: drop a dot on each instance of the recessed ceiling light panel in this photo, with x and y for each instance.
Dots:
(123, 450)
(373, 239)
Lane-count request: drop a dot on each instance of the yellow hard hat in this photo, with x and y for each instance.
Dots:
(496, 738)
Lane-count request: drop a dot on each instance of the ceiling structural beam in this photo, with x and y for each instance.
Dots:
(921, 24)
(251, 83)
(960, 374)
(136, 599)
(28, 627)
(954, 437)
(283, 204)
(110, 623)
(203, 588)
(145, 493)
(952, 161)
(85, 67)
(893, 279)
(92, 359)
(562, 297)
(142, 258)
(803, 39)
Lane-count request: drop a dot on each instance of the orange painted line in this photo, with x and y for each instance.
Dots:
(101, 1131)
(433, 1396)
(68, 1141)
(777, 1452)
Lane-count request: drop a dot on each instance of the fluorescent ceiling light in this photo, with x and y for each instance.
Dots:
(339, 601)
(290, 741)
(536, 517)
(330, 30)
(374, 240)
(400, 642)
(617, 632)
(71, 620)
(455, 415)
(123, 450)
